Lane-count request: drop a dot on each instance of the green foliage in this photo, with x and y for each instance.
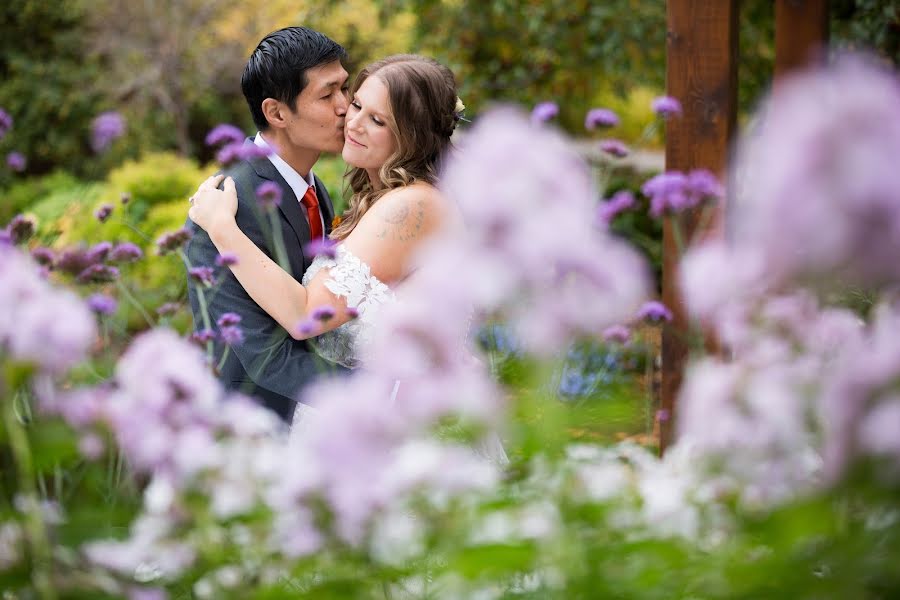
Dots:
(526, 52)
(24, 194)
(47, 84)
(873, 24)
(330, 169)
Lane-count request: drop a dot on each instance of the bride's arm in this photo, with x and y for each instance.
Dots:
(385, 240)
(275, 290)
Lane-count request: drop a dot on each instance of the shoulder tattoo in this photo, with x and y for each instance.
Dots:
(402, 223)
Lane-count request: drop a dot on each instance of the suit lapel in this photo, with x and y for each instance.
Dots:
(291, 212)
(325, 205)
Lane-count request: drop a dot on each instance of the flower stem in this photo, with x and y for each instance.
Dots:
(280, 250)
(42, 555)
(204, 308)
(134, 301)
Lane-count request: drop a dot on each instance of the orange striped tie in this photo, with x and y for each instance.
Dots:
(311, 202)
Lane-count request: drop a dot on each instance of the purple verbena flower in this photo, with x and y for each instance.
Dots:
(169, 308)
(614, 148)
(600, 117)
(269, 195)
(203, 336)
(228, 319)
(322, 313)
(544, 111)
(620, 201)
(352, 312)
(125, 252)
(668, 193)
(21, 228)
(226, 259)
(105, 129)
(91, 446)
(98, 273)
(654, 311)
(6, 123)
(665, 106)
(74, 260)
(617, 334)
(224, 134)
(236, 152)
(49, 327)
(172, 240)
(124, 198)
(307, 326)
(99, 251)
(202, 275)
(102, 304)
(322, 247)
(103, 213)
(231, 335)
(16, 161)
(43, 256)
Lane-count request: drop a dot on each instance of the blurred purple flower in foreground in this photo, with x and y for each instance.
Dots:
(825, 172)
(21, 228)
(666, 106)
(544, 111)
(16, 161)
(224, 134)
(105, 129)
(322, 246)
(268, 194)
(125, 252)
(620, 202)
(39, 323)
(654, 311)
(674, 191)
(600, 117)
(102, 304)
(172, 240)
(226, 259)
(614, 148)
(104, 212)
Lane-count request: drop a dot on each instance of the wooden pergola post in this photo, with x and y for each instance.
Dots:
(801, 33)
(701, 72)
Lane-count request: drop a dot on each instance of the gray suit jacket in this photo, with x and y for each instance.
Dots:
(269, 364)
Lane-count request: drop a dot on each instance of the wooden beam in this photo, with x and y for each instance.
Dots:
(801, 34)
(701, 72)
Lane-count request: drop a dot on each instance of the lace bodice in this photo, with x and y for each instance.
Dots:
(351, 279)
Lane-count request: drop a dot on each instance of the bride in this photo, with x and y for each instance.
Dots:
(403, 111)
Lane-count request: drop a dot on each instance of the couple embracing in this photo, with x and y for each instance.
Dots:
(393, 128)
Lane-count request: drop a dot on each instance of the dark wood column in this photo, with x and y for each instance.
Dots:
(701, 72)
(801, 33)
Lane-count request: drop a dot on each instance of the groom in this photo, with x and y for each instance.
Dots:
(296, 89)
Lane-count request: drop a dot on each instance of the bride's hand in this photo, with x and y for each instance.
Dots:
(213, 209)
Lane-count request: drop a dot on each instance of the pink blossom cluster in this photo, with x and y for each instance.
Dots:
(40, 324)
(804, 394)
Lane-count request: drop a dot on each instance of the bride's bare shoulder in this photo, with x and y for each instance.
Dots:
(412, 208)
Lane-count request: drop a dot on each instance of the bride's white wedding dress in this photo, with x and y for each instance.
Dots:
(352, 279)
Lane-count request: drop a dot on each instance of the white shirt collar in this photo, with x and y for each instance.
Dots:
(292, 177)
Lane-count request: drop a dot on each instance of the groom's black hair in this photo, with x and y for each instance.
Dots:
(277, 68)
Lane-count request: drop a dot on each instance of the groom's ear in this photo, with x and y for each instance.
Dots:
(274, 111)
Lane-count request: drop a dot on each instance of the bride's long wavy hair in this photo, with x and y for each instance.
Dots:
(422, 96)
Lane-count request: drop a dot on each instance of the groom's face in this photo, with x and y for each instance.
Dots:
(317, 118)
